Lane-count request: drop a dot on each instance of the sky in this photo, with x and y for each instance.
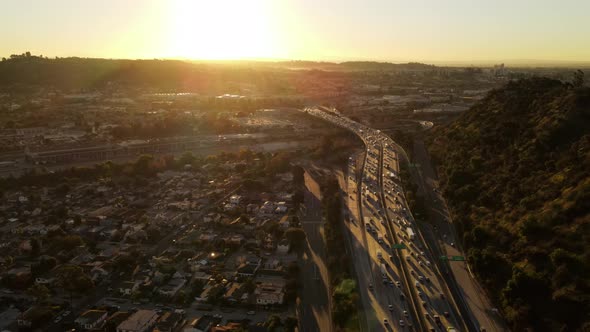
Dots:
(432, 31)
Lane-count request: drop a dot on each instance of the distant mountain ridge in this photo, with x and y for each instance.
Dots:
(82, 73)
(515, 169)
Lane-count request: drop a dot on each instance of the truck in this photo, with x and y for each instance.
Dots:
(410, 233)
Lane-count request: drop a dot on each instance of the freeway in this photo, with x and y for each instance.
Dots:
(475, 304)
(401, 287)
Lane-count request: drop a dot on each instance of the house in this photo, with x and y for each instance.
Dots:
(283, 247)
(128, 287)
(34, 317)
(252, 208)
(140, 321)
(249, 267)
(44, 281)
(203, 324)
(202, 276)
(235, 240)
(91, 319)
(235, 199)
(115, 319)
(269, 294)
(172, 287)
(169, 322)
(206, 293)
(227, 328)
(281, 208)
(267, 208)
(211, 217)
(286, 177)
(230, 207)
(233, 292)
(284, 222)
(8, 317)
(207, 237)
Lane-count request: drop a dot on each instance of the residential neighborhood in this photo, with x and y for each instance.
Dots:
(190, 247)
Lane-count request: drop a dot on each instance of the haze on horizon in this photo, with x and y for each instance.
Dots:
(433, 31)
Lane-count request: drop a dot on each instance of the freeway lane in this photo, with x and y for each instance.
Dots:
(314, 307)
(473, 298)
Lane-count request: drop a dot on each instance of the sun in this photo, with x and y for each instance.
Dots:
(221, 29)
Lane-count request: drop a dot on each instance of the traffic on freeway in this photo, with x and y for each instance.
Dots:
(404, 289)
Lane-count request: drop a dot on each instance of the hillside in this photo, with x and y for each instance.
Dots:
(516, 172)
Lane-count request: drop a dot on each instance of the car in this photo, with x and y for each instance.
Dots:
(406, 314)
(452, 244)
(66, 313)
(251, 313)
(398, 284)
(57, 319)
(401, 322)
(437, 319)
(390, 307)
(385, 322)
(371, 286)
(446, 313)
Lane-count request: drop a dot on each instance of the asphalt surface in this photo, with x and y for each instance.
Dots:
(314, 307)
(469, 295)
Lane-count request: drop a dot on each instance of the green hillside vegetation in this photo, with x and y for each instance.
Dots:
(516, 172)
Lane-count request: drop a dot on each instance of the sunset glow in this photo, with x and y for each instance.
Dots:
(222, 29)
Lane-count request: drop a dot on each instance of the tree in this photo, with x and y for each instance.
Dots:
(295, 222)
(67, 242)
(291, 323)
(273, 322)
(244, 219)
(578, 80)
(298, 175)
(35, 247)
(39, 292)
(73, 279)
(142, 165)
(187, 158)
(249, 285)
(296, 238)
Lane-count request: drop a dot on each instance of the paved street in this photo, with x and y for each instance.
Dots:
(477, 306)
(314, 309)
